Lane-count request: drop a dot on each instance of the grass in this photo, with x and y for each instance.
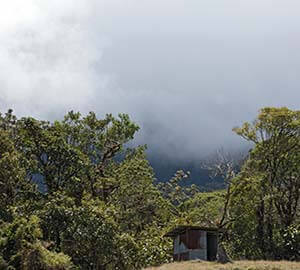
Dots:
(238, 265)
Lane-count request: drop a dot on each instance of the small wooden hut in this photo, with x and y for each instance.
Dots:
(194, 243)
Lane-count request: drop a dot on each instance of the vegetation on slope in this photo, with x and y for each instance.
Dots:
(97, 204)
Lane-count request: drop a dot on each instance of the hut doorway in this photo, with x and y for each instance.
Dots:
(212, 246)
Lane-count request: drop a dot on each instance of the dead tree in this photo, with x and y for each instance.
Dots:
(227, 165)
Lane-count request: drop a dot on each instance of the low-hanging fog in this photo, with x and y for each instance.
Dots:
(186, 71)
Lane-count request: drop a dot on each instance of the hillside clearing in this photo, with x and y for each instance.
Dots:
(238, 265)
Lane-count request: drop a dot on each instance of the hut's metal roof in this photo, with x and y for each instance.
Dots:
(179, 229)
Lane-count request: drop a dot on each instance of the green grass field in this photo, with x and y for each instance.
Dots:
(238, 265)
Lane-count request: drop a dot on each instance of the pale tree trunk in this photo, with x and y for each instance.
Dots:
(226, 165)
(222, 256)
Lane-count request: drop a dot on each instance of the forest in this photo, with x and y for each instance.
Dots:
(74, 195)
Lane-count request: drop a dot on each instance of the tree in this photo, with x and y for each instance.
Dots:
(137, 199)
(205, 208)
(226, 165)
(275, 164)
(97, 204)
(244, 242)
(21, 247)
(14, 186)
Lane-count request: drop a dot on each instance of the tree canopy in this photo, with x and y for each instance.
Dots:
(73, 195)
(85, 199)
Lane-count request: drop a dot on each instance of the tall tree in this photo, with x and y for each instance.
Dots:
(95, 191)
(275, 162)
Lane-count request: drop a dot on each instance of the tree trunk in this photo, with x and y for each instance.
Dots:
(222, 256)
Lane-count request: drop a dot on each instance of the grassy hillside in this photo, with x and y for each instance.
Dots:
(239, 265)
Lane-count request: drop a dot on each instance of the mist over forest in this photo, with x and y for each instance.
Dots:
(124, 121)
(186, 72)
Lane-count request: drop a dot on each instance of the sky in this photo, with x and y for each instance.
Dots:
(187, 71)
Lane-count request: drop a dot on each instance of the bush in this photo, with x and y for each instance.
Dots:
(21, 247)
(291, 241)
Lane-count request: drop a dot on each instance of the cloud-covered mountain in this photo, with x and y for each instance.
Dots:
(186, 71)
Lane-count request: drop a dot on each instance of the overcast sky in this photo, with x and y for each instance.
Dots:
(186, 71)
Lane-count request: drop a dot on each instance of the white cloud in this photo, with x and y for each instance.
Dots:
(49, 56)
(186, 70)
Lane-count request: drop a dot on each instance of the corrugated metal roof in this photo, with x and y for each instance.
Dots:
(179, 229)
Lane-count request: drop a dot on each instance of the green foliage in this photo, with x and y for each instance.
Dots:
(3, 264)
(175, 191)
(243, 204)
(13, 185)
(291, 242)
(155, 250)
(205, 208)
(39, 258)
(267, 192)
(21, 247)
(97, 205)
(90, 238)
(138, 201)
